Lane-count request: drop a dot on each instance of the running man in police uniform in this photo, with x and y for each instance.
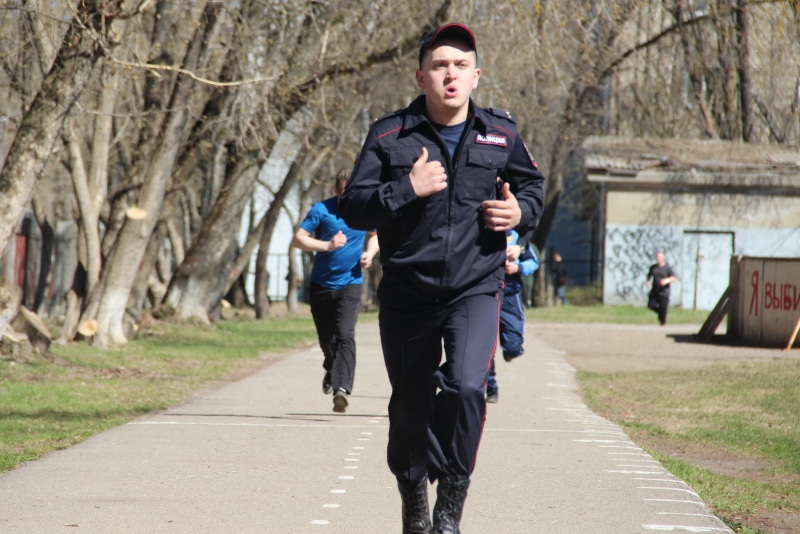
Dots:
(441, 181)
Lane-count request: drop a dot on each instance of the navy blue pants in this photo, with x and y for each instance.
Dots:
(437, 409)
(335, 312)
(512, 326)
(512, 336)
(492, 387)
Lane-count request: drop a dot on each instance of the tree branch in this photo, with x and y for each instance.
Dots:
(192, 75)
(653, 40)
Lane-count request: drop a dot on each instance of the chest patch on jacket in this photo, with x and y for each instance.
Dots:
(492, 139)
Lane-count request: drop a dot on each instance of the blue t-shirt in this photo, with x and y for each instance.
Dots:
(451, 136)
(340, 267)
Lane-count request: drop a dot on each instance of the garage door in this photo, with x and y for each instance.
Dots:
(706, 268)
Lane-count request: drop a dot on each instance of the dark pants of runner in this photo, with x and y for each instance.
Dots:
(335, 312)
(512, 326)
(436, 412)
(659, 303)
(512, 336)
(492, 387)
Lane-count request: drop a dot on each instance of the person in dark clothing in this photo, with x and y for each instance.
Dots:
(335, 291)
(659, 278)
(442, 180)
(560, 279)
(529, 281)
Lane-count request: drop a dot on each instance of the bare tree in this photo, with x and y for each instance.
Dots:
(199, 284)
(107, 304)
(42, 122)
(170, 108)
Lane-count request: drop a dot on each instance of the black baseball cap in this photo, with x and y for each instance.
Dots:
(449, 31)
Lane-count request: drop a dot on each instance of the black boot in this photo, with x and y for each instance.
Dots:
(450, 495)
(416, 514)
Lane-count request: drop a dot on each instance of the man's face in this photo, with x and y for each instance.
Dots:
(448, 76)
(660, 260)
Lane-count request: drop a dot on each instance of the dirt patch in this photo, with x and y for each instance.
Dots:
(610, 348)
(714, 460)
(717, 461)
(769, 522)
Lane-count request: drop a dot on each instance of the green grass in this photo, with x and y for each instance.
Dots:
(750, 409)
(741, 411)
(730, 497)
(47, 406)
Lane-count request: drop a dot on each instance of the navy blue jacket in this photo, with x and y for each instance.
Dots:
(437, 248)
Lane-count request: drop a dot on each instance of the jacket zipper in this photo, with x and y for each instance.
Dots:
(452, 168)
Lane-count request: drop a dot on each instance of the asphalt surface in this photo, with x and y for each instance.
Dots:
(266, 454)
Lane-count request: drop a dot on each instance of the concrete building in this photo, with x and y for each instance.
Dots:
(701, 202)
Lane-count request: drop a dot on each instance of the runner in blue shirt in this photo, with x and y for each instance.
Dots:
(335, 293)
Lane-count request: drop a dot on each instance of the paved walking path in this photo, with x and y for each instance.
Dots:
(267, 455)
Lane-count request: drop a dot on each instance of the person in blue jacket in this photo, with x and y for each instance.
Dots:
(441, 180)
(335, 292)
(520, 261)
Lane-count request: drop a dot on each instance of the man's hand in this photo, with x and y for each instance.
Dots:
(513, 253)
(512, 267)
(502, 215)
(337, 241)
(366, 261)
(427, 177)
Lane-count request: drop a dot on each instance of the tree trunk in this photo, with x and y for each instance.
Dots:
(42, 42)
(40, 300)
(101, 139)
(88, 219)
(270, 219)
(555, 181)
(28, 323)
(71, 317)
(694, 68)
(96, 186)
(41, 125)
(10, 301)
(176, 242)
(197, 286)
(294, 283)
(141, 282)
(158, 92)
(108, 305)
(108, 301)
(198, 293)
(743, 67)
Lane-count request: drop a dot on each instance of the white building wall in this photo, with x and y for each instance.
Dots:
(270, 178)
(630, 250)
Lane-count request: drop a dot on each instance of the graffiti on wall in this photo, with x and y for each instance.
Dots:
(630, 251)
